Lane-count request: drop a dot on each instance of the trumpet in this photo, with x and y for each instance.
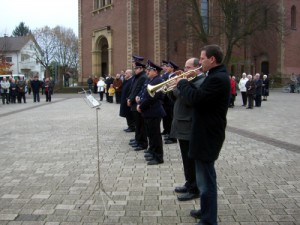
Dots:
(169, 85)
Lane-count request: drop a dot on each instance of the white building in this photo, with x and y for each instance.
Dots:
(21, 52)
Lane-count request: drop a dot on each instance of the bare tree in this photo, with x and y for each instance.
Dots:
(66, 47)
(46, 40)
(59, 45)
(236, 20)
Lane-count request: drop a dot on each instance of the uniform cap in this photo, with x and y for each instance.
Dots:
(153, 66)
(173, 65)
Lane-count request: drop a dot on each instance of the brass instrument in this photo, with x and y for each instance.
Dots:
(170, 84)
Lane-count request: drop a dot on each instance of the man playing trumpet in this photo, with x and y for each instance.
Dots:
(210, 104)
(181, 130)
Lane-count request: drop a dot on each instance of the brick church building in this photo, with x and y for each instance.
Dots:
(111, 31)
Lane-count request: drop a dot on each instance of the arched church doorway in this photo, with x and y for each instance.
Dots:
(103, 57)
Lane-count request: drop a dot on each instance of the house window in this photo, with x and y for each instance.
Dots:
(204, 10)
(98, 4)
(24, 57)
(293, 17)
(8, 59)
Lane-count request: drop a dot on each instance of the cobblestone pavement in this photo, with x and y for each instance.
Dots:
(48, 167)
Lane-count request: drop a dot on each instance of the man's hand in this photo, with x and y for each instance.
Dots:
(138, 109)
(128, 103)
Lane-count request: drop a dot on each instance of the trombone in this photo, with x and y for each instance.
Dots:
(170, 84)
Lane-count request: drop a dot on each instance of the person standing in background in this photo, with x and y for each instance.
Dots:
(242, 87)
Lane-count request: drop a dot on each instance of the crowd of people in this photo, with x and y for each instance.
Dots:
(191, 112)
(253, 90)
(14, 91)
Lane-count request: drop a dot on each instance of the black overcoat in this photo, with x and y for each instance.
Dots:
(124, 109)
(210, 102)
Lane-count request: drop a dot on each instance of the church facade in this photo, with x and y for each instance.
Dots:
(111, 31)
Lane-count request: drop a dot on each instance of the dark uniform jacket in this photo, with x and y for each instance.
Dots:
(137, 85)
(124, 109)
(152, 106)
(210, 103)
(182, 114)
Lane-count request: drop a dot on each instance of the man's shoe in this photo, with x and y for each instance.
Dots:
(155, 162)
(148, 155)
(170, 141)
(182, 189)
(129, 130)
(187, 196)
(196, 213)
(133, 143)
(126, 129)
(139, 148)
(132, 140)
(147, 151)
(149, 158)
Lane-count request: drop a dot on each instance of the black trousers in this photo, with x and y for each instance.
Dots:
(167, 120)
(188, 167)
(36, 96)
(5, 98)
(250, 100)
(155, 140)
(48, 96)
(244, 97)
(130, 120)
(101, 95)
(140, 131)
(21, 95)
(118, 97)
(258, 100)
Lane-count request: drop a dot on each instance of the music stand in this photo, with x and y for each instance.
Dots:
(93, 103)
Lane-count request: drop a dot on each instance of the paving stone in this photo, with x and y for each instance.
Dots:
(258, 168)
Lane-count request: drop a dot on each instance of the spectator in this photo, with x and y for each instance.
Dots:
(117, 83)
(243, 88)
(13, 91)
(36, 85)
(101, 88)
(90, 83)
(111, 93)
(5, 90)
(21, 85)
(258, 90)
(265, 87)
(250, 87)
(233, 91)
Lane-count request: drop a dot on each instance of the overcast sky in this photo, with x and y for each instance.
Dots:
(37, 14)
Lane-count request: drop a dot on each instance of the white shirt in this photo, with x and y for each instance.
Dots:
(242, 84)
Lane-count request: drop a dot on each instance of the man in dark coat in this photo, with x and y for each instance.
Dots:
(124, 108)
(181, 129)
(36, 85)
(258, 90)
(140, 142)
(210, 103)
(250, 86)
(152, 112)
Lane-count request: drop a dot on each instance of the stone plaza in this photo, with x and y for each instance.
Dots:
(49, 167)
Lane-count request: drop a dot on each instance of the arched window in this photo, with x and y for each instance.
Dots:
(204, 10)
(293, 17)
